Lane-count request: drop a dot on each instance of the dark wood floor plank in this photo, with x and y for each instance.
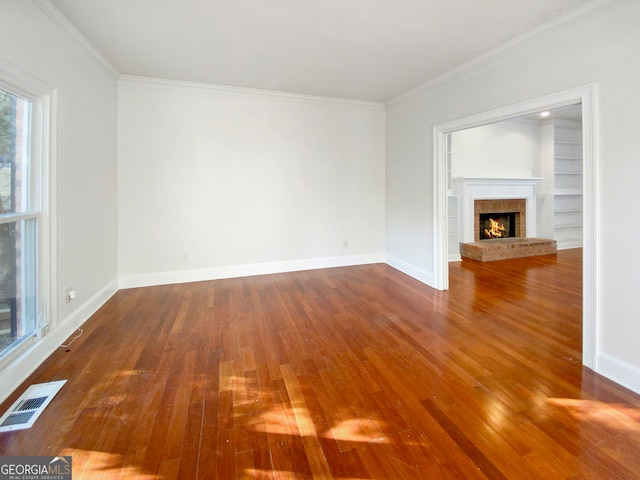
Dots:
(356, 372)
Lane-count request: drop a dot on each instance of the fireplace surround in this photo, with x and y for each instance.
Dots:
(496, 190)
(502, 200)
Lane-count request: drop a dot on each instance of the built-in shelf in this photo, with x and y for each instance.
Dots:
(576, 192)
(453, 219)
(571, 226)
(567, 193)
(568, 210)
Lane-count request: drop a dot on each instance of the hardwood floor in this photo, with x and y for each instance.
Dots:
(345, 373)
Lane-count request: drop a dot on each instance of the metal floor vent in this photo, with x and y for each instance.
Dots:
(26, 410)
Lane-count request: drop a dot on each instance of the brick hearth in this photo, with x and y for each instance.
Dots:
(505, 248)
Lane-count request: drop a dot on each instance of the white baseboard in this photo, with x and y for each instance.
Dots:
(234, 271)
(411, 270)
(618, 371)
(40, 349)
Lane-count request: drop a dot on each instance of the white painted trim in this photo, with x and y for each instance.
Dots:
(411, 270)
(21, 82)
(235, 271)
(43, 99)
(440, 278)
(584, 95)
(471, 189)
(207, 88)
(590, 262)
(620, 372)
(75, 36)
(52, 211)
(47, 106)
(593, 8)
(20, 368)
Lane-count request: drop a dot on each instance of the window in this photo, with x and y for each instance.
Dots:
(20, 219)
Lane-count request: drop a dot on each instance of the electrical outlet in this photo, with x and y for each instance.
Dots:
(70, 295)
(346, 244)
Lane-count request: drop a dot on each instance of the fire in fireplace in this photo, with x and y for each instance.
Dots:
(509, 215)
(497, 225)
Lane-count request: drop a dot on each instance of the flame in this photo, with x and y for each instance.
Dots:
(497, 230)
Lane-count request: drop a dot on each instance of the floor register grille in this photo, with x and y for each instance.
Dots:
(26, 410)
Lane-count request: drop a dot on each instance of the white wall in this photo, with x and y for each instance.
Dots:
(84, 151)
(600, 48)
(509, 149)
(217, 182)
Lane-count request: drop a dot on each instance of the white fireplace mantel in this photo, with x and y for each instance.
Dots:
(470, 189)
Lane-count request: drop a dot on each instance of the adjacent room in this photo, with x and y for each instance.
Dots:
(320, 239)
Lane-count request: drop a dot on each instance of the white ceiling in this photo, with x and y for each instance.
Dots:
(358, 49)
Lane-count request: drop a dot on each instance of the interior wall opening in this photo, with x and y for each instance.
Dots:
(578, 101)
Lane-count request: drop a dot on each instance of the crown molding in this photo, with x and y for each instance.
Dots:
(596, 7)
(22, 82)
(213, 89)
(75, 36)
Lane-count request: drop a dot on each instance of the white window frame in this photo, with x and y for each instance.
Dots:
(42, 194)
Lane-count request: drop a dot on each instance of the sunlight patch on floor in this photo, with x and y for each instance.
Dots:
(90, 464)
(614, 416)
(363, 430)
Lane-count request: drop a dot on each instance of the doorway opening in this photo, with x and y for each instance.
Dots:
(442, 180)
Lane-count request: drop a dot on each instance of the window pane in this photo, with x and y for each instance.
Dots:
(15, 120)
(18, 237)
(18, 285)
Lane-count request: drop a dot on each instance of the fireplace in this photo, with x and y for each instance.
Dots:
(495, 190)
(497, 225)
(499, 218)
(511, 204)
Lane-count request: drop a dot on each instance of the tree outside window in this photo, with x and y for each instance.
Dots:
(17, 224)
